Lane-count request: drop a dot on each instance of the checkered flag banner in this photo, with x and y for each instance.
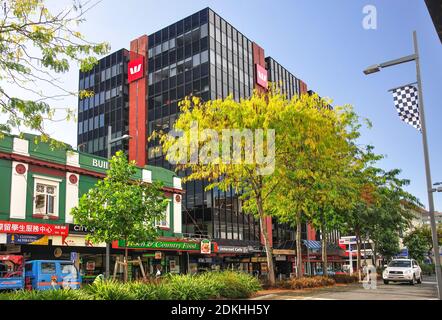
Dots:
(406, 102)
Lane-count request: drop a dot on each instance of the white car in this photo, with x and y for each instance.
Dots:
(402, 270)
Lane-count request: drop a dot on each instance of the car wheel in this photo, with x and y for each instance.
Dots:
(385, 281)
(419, 281)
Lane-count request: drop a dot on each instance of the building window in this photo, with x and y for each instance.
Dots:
(46, 198)
(165, 222)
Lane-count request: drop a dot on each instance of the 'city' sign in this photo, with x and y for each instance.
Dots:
(135, 69)
(261, 76)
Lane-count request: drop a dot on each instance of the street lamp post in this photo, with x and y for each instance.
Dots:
(110, 141)
(415, 57)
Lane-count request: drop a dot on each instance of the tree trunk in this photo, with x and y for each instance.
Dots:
(298, 246)
(125, 263)
(324, 251)
(268, 248)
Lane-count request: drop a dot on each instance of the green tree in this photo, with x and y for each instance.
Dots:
(36, 45)
(120, 207)
(419, 241)
(378, 210)
(317, 161)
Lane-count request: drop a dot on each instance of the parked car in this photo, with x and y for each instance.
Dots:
(51, 274)
(402, 270)
(11, 272)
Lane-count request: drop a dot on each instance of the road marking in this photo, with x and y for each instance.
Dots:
(429, 282)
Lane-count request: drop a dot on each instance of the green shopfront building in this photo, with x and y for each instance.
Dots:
(40, 185)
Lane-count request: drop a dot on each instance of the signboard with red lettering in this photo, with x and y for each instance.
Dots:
(135, 69)
(261, 76)
(33, 228)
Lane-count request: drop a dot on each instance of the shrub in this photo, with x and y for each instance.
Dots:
(109, 290)
(52, 294)
(235, 285)
(345, 278)
(209, 285)
(150, 291)
(311, 282)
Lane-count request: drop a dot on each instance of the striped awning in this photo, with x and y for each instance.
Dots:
(312, 244)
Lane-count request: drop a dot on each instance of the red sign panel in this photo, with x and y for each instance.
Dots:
(33, 228)
(135, 69)
(261, 76)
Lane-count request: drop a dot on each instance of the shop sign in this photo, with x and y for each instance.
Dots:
(33, 228)
(205, 246)
(12, 248)
(136, 69)
(281, 258)
(254, 249)
(259, 259)
(78, 229)
(261, 76)
(165, 245)
(232, 249)
(284, 252)
(90, 265)
(158, 255)
(75, 241)
(34, 239)
(205, 260)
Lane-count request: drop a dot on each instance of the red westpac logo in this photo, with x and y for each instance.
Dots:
(135, 69)
(261, 76)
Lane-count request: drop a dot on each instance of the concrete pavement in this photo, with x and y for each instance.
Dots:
(425, 291)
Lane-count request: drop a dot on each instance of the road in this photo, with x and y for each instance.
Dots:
(425, 291)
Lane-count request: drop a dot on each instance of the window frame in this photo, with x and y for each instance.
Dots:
(47, 181)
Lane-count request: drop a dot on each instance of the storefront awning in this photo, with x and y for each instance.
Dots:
(312, 244)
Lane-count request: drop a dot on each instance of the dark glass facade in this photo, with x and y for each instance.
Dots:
(282, 79)
(200, 55)
(107, 107)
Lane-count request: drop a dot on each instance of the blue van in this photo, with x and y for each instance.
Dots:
(51, 274)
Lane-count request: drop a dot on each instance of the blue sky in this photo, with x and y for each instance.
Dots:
(324, 43)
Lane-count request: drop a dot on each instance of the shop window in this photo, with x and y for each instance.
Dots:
(46, 197)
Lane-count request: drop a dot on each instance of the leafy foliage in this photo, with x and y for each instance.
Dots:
(310, 144)
(121, 207)
(419, 241)
(36, 45)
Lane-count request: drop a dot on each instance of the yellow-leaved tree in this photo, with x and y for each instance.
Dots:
(256, 146)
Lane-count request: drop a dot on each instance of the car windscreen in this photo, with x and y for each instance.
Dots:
(69, 269)
(400, 264)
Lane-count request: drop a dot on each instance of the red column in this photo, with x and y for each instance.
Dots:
(137, 105)
(259, 59)
(311, 233)
(303, 87)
